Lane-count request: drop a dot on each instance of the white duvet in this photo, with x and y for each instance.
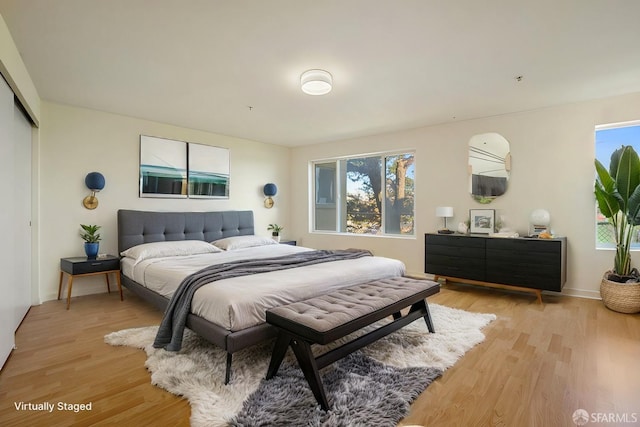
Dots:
(241, 302)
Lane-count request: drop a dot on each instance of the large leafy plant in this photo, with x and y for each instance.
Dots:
(618, 194)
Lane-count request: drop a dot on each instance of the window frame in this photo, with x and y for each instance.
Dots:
(633, 123)
(341, 197)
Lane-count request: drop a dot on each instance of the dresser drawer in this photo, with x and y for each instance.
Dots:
(535, 264)
(460, 268)
(455, 256)
(525, 246)
(530, 277)
(454, 240)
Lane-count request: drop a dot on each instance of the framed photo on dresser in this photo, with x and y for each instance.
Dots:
(482, 220)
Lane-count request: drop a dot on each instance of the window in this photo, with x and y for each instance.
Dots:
(608, 139)
(369, 194)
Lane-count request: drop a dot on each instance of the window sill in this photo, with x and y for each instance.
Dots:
(383, 236)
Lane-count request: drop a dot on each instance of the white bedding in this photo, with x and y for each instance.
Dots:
(241, 302)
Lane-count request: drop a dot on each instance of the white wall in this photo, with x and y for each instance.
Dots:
(16, 74)
(552, 168)
(76, 141)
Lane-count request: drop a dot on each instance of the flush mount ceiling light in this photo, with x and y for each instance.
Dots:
(316, 82)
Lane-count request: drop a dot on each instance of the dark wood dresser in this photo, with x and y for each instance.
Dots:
(525, 264)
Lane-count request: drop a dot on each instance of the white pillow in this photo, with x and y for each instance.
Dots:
(165, 249)
(239, 242)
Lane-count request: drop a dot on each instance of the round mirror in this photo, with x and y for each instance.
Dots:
(489, 166)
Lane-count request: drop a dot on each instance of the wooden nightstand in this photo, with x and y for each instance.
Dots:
(82, 266)
(288, 242)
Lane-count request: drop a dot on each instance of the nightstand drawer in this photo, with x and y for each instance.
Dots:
(83, 265)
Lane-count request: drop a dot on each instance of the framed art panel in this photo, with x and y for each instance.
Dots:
(208, 175)
(481, 220)
(163, 167)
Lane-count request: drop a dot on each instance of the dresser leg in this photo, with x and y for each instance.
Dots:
(108, 285)
(539, 294)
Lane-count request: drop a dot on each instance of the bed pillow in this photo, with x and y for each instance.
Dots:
(239, 242)
(166, 249)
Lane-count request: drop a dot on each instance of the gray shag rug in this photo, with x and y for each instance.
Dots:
(360, 391)
(373, 386)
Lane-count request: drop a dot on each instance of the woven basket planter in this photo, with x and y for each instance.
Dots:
(620, 297)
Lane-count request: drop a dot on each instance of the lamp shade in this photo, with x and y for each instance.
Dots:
(94, 181)
(316, 82)
(444, 212)
(270, 189)
(540, 217)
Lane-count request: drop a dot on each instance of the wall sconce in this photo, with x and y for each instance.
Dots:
(94, 182)
(269, 190)
(444, 212)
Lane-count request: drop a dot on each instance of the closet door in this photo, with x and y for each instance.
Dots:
(15, 218)
(22, 212)
(8, 281)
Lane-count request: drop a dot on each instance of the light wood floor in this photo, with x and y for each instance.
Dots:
(538, 365)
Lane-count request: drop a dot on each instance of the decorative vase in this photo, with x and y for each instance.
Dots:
(276, 237)
(620, 297)
(91, 249)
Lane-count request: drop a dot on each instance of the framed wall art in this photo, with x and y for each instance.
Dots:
(208, 174)
(178, 169)
(481, 220)
(163, 167)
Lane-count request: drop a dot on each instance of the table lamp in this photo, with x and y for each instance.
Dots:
(444, 212)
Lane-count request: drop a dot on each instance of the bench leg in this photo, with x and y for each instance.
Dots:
(279, 350)
(427, 318)
(423, 307)
(307, 362)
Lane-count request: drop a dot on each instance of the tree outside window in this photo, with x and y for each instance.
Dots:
(377, 195)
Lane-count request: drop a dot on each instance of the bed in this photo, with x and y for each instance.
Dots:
(229, 313)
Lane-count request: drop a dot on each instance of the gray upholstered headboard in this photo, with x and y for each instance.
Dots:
(137, 227)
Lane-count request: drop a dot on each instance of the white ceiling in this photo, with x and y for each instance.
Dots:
(396, 64)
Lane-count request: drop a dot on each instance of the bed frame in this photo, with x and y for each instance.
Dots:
(138, 227)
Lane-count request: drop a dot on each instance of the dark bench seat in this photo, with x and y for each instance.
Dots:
(326, 318)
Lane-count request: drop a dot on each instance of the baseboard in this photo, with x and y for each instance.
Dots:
(578, 293)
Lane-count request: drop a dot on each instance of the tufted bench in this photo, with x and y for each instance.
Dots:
(326, 318)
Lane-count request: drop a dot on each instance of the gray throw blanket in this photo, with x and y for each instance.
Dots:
(173, 323)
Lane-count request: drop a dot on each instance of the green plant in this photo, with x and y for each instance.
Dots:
(90, 233)
(617, 192)
(275, 229)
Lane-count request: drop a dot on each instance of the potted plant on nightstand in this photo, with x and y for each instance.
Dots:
(275, 231)
(92, 240)
(618, 194)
